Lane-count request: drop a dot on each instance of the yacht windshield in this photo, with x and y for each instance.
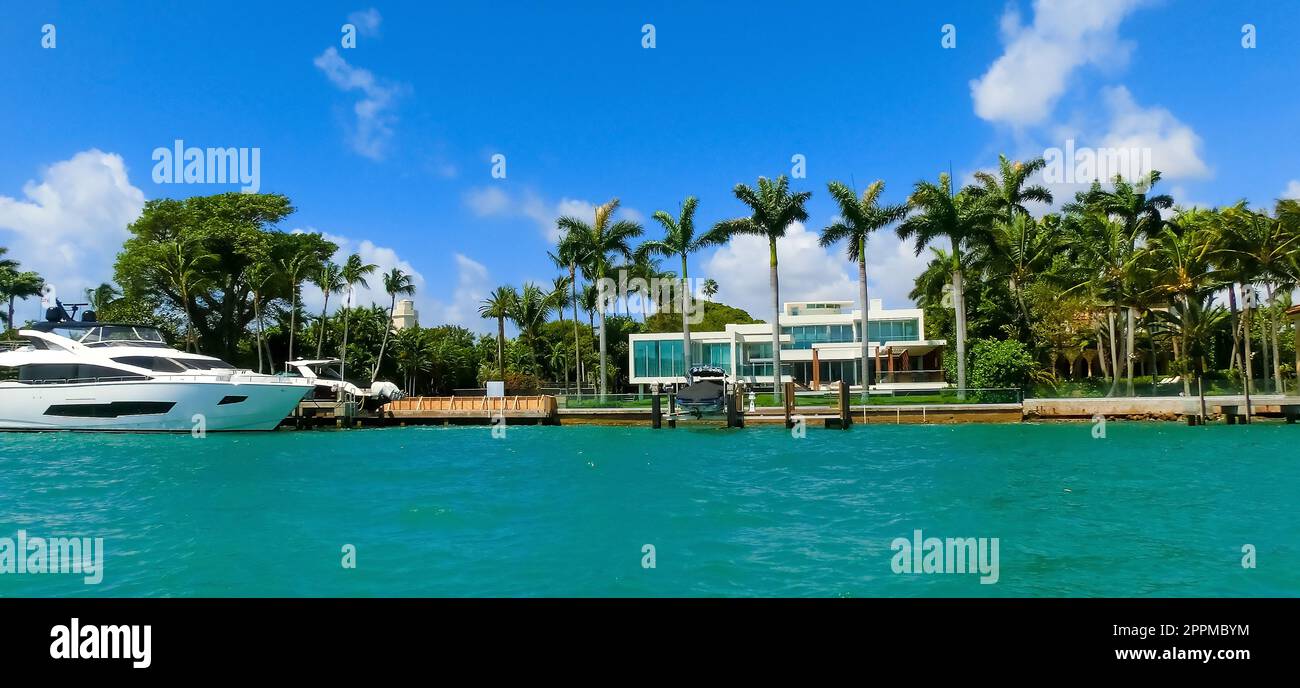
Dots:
(108, 335)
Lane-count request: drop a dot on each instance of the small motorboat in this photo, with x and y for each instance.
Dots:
(330, 383)
(706, 393)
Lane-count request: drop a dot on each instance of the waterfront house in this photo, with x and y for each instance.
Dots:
(820, 345)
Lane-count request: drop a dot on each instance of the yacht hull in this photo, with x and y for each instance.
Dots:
(156, 405)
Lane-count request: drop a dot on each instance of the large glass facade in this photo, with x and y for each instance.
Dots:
(712, 354)
(831, 371)
(804, 336)
(899, 330)
(663, 357)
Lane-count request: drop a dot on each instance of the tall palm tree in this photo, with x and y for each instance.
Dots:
(571, 253)
(1260, 250)
(601, 242)
(259, 276)
(292, 268)
(773, 209)
(1140, 214)
(1195, 321)
(329, 279)
(560, 298)
(499, 304)
(1180, 263)
(1009, 191)
(353, 272)
(858, 219)
(679, 241)
(1103, 268)
(396, 283)
(965, 220)
(181, 265)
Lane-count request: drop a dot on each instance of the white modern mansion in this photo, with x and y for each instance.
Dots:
(820, 344)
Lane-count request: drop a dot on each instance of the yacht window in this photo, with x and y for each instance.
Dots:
(8, 374)
(63, 372)
(155, 363)
(202, 364)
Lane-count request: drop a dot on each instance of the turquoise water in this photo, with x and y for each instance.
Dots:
(1151, 509)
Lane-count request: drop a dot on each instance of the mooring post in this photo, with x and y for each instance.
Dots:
(731, 410)
(846, 413)
(656, 412)
(672, 410)
(789, 404)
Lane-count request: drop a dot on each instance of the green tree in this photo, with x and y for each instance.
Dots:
(773, 209)
(329, 279)
(679, 241)
(965, 221)
(16, 284)
(396, 283)
(599, 242)
(858, 219)
(238, 231)
(500, 304)
(292, 269)
(353, 272)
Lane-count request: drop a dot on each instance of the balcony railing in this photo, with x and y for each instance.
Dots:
(907, 376)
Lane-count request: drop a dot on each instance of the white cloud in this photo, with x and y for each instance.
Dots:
(492, 201)
(366, 21)
(374, 118)
(1023, 85)
(1174, 146)
(70, 225)
(1292, 189)
(458, 308)
(806, 270)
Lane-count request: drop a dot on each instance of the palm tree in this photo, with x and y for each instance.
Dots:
(528, 312)
(181, 266)
(413, 351)
(499, 304)
(1020, 250)
(353, 272)
(259, 276)
(1102, 267)
(329, 279)
(1180, 263)
(16, 285)
(601, 242)
(292, 269)
(100, 297)
(1259, 249)
(1139, 213)
(571, 253)
(560, 298)
(858, 219)
(1195, 321)
(774, 208)
(965, 220)
(680, 241)
(396, 283)
(710, 288)
(1007, 193)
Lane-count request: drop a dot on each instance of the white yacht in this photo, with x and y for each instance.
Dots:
(111, 377)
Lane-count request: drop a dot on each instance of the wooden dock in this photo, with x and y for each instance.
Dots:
(511, 410)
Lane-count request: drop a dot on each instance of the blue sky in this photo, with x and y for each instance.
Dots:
(387, 145)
